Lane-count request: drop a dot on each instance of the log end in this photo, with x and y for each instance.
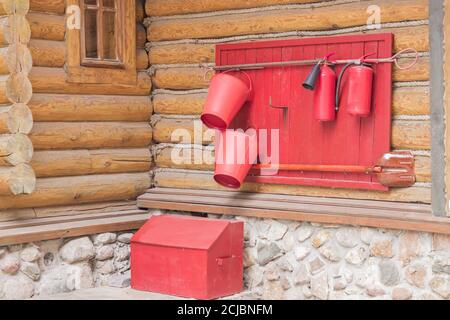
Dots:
(23, 180)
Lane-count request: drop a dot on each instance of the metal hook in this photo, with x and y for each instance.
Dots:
(284, 108)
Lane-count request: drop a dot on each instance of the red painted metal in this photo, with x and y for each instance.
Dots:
(348, 140)
(235, 154)
(226, 96)
(188, 257)
(360, 83)
(325, 95)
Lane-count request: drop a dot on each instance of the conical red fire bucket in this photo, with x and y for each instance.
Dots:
(226, 96)
(236, 152)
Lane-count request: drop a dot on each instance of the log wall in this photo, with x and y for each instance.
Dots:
(91, 142)
(16, 121)
(182, 35)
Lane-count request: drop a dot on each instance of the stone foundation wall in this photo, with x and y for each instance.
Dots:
(291, 260)
(58, 266)
(282, 259)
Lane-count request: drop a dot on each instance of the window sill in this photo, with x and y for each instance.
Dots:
(378, 214)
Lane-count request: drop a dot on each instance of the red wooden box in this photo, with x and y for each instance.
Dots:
(349, 140)
(188, 257)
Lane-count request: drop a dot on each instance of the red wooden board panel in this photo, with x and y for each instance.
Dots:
(303, 140)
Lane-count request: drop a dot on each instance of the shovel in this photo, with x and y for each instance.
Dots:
(395, 170)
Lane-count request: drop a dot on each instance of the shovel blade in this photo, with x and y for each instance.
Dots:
(397, 170)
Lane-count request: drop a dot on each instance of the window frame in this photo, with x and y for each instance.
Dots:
(119, 35)
(80, 70)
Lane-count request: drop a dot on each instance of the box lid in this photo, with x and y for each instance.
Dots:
(181, 231)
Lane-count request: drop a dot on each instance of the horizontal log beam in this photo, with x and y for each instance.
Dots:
(174, 131)
(204, 180)
(406, 101)
(53, 80)
(48, 6)
(281, 20)
(46, 26)
(94, 135)
(141, 36)
(414, 135)
(170, 157)
(140, 10)
(85, 162)
(15, 149)
(72, 107)
(181, 78)
(77, 190)
(187, 78)
(411, 101)
(408, 37)
(141, 59)
(185, 104)
(22, 7)
(48, 53)
(17, 180)
(174, 7)
(16, 118)
(69, 227)
(405, 134)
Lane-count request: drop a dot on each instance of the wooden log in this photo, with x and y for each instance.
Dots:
(48, 53)
(414, 101)
(18, 88)
(186, 78)
(71, 107)
(406, 101)
(204, 180)
(14, 29)
(408, 37)
(53, 80)
(420, 72)
(89, 208)
(141, 59)
(84, 162)
(15, 149)
(182, 78)
(16, 118)
(46, 26)
(17, 180)
(411, 135)
(174, 7)
(181, 130)
(16, 58)
(405, 134)
(10, 7)
(140, 10)
(185, 104)
(4, 61)
(169, 157)
(324, 18)
(48, 6)
(141, 36)
(23, 6)
(94, 135)
(78, 190)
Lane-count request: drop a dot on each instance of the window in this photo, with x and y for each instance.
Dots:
(101, 33)
(103, 50)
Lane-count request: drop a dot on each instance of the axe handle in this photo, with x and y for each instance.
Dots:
(322, 168)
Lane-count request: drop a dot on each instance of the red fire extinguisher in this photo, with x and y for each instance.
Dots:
(360, 83)
(322, 80)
